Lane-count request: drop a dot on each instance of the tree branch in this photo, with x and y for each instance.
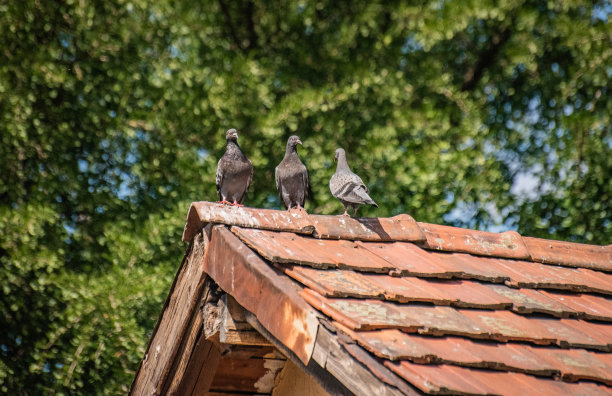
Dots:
(228, 22)
(486, 58)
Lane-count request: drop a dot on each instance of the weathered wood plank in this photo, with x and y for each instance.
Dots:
(202, 369)
(235, 329)
(174, 321)
(191, 356)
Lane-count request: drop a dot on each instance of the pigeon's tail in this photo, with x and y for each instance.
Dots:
(370, 201)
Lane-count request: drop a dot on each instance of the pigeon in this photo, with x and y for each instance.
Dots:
(347, 186)
(234, 172)
(292, 177)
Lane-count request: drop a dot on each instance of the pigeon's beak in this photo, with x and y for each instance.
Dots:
(235, 135)
(336, 157)
(298, 141)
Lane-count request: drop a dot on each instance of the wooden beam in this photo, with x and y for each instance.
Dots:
(226, 324)
(174, 330)
(197, 357)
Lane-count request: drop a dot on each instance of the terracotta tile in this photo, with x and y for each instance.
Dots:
(283, 247)
(574, 333)
(472, 323)
(362, 314)
(587, 305)
(569, 254)
(280, 247)
(503, 325)
(573, 364)
(602, 332)
(440, 379)
(529, 301)
(474, 267)
(202, 213)
(336, 283)
(373, 314)
(410, 289)
(453, 379)
(578, 364)
(398, 228)
(409, 259)
(536, 275)
(451, 239)
(472, 294)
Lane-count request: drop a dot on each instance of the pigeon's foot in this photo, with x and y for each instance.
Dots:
(297, 209)
(224, 202)
(237, 204)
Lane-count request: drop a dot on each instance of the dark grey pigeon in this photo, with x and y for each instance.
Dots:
(347, 186)
(292, 177)
(234, 172)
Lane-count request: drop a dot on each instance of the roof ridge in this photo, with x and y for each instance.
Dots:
(402, 228)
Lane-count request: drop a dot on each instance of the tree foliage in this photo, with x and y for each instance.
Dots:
(112, 117)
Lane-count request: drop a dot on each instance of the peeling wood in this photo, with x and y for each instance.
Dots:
(225, 323)
(323, 377)
(272, 297)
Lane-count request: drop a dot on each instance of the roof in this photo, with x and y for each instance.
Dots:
(421, 308)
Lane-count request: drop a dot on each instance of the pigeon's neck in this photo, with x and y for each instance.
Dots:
(233, 149)
(342, 164)
(290, 151)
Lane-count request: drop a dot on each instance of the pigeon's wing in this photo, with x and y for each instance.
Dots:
(306, 182)
(219, 177)
(352, 189)
(278, 181)
(250, 179)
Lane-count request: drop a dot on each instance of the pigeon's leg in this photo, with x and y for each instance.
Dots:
(298, 208)
(346, 212)
(355, 207)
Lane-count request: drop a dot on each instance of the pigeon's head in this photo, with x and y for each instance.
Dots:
(339, 154)
(231, 134)
(293, 141)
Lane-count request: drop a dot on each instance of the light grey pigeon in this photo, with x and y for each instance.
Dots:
(347, 186)
(292, 177)
(234, 172)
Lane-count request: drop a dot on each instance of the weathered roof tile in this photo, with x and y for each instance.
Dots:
(284, 247)
(586, 305)
(570, 254)
(453, 379)
(572, 364)
(451, 239)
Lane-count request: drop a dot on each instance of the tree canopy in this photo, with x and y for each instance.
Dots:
(113, 115)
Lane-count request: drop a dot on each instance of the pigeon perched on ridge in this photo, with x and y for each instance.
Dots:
(234, 172)
(292, 177)
(347, 186)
